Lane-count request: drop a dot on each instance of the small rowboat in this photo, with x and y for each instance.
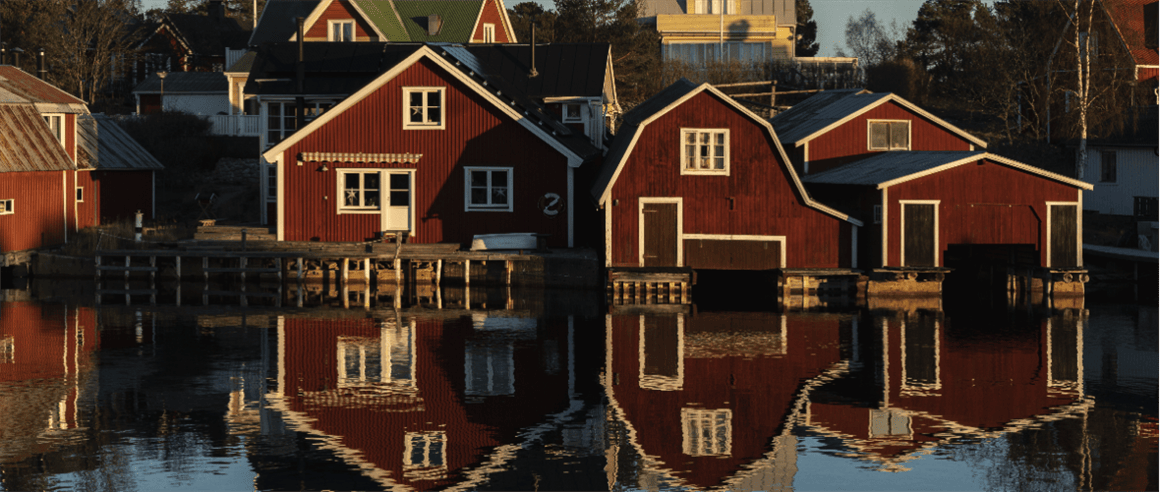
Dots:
(517, 240)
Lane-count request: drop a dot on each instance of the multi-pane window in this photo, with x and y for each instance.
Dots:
(572, 113)
(489, 188)
(6, 206)
(489, 33)
(7, 350)
(704, 151)
(1108, 166)
(1145, 207)
(282, 118)
(361, 190)
(889, 135)
(340, 30)
(707, 432)
(56, 126)
(423, 107)
(714, 7)
(888, 422)
(424, 455)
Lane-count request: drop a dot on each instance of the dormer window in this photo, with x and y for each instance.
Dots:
(56, 126)
(340, 30)
(489, 33)
(572, 113)
(704, 151)
(888, 135)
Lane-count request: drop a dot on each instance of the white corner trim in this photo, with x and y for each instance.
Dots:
(1078, 230)
(902, 229)
(885, 229)
(640, 203)
(607, 235)
(280, 170)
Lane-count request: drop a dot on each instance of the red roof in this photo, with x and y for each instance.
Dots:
(32, 89)
(1128, 16)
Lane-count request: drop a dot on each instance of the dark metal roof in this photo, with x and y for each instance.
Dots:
(889, 166)
(331, 68)
(819, 111)
(103, 145)
(244, 64)
(185, 82)
(563, 69)
(277, 23)
(629, 126)
(18, 86)
(206, 35)
(27, 144)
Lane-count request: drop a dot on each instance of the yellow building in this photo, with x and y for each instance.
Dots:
(700, 31)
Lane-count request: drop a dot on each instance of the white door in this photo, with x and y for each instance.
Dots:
(396, 215)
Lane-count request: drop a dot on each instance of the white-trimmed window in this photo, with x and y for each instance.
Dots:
(888, 135)
(1108, 166)
(361, 190)
(707, 432)
(7, 350)
(489, 33)
(282, 117)
(56, 126)
(704, 151)
(6, 206)
(424, 455)
(340, 30)
(488, 189)
(423, 107)
(80, 194)
(571, 112)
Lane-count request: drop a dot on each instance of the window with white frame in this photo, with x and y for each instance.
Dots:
(888, 135)
(488, 189)
(361, 189)
(704, 151)
(281, 121)
(571, 113)
(707, 432)
(6, 206)
(56, 126)
(424, 455)
(489, 33)
(423, 107)
(7, 350)
(1108, 166)
(714, 7)
(340, 30)
(383, 365)
(80, 194)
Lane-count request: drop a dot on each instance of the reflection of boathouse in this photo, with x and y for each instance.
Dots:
(730, 382)
(917, 382)
(422, 403)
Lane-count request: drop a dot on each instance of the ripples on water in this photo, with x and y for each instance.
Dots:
(553, 390)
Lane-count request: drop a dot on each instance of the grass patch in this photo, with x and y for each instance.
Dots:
(120, 235)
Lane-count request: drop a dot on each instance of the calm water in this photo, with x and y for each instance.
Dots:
(552, 390)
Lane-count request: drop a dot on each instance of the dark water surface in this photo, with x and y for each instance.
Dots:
(553, 390)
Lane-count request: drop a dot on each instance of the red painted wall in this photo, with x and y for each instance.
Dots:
(849, 142)
(765, 200)
(491, 15)
(40, 209)
(759, 389)
(981, 203)
(476, 134)
(117, 195)
(39, 332)
(340, 10)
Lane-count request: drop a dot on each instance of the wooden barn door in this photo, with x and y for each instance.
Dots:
(919, 234)
(659, 232)
(1064, 241)
(662, 352)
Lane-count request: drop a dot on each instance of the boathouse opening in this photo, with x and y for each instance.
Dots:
(985, 268)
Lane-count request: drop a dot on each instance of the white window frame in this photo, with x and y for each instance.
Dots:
(469, 207)
(579, 113)
(659, 382)
(80, 194)
(8, 350)
(343, 208)
(425, 469)
(889, 146)
(694, 423)
(59, 117)
(902, 226)
(489, 33)
(426, 124)
(684, 152)
(7, 206)
(330, 30)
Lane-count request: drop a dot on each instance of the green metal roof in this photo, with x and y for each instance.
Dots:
(458, 19)
(383, 15)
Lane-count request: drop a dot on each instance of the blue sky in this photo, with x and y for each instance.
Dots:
(831, 16)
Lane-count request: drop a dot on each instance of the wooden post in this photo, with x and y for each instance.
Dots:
(300, 274)
(127, 259)
(178, 260)
(508, 272)
(98, 274)
(205, 271)
(467, 274)
(345, 271)
(278, 265)
(367, 272)
(242, 265)
(398, 271)
(773, 94)
(438, 271)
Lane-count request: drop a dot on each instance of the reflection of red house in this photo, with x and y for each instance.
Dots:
(422, 403)
(933, 387)
(705, 397)
(45, 350)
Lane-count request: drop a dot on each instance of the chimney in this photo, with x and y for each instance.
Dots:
(16, 57)
(434, 24)
(533, 73)
(300, 76)
(3, 53)
(40, 70)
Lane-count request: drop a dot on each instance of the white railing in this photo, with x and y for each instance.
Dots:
(236, 125)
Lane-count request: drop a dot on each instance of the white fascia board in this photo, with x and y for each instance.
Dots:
(425, 51)
(998, 159)
(382, 37)
(311, 19)
(475, 25)
(902, 102)
(933, 170)
(507, 22)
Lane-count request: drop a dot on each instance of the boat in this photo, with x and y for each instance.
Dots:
(515, 240)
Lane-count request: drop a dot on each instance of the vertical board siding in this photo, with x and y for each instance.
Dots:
(765, 200)
(120, 194)
(476, 134)
(848, 142)
(39, 210)
(1136, 175)
(339, 10)
(972, 197)
(88, 214)
(491, 15)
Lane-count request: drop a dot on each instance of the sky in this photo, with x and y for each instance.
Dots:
(831, 16)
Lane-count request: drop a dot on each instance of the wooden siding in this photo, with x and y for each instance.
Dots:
(40, 209)
(1137, 173)
(476, 134)
(491, 15)
(113, 195)
(731, 361)
(712, 254)
(980, 203)
(848, 142)
(340, 10)
(764, 198)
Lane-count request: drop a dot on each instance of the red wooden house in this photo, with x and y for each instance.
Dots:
(422, 403)
(695, 180)
(710, 399)
(116, 175)
(189, 43)
(928, 186)
(426, 21)
(927, 384)
(431, 147)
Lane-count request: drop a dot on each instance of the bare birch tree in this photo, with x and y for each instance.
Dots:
(1084, 53)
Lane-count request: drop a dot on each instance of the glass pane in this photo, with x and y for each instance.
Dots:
(573, 111)
(878, 136)
(351, 181)
(691, 162)
(478, 178)
(416, 99)
(348, 32)
(400, 198)
(899, 135)
(704, 138)
(479, 196)
(499, 196)
(371, 181)
(719, 151)
(720, 138)
(400, 182)
(371, 198)
(435, 455)
(691, 137)
(417, 449)
(433, 99)
(499, 178)
(719, 163)
(275, 109)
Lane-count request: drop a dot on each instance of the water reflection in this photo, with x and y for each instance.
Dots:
(485, 389)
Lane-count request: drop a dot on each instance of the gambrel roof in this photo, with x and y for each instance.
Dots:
(830, 109)
(889, 168)
(26, 143)
(646, 112)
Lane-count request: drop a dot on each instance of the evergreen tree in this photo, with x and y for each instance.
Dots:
(807, 29)
(524, 14)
